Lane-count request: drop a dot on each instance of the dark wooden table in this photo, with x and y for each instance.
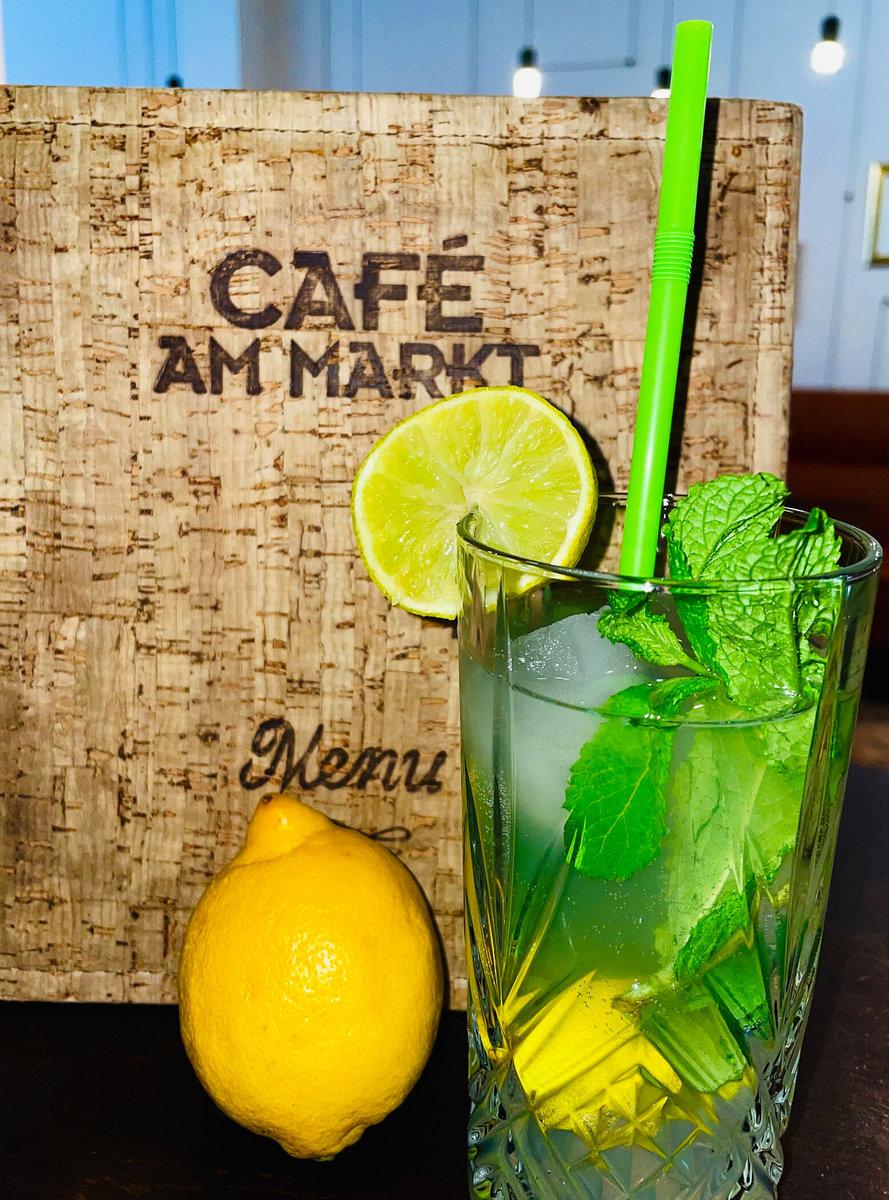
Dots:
(98, 1102)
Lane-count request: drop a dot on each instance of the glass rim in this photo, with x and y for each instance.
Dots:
(869, 562)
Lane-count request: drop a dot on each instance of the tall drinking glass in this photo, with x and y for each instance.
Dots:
(647, 857)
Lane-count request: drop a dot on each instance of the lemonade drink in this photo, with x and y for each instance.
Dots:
(648, 845)
(652, 773)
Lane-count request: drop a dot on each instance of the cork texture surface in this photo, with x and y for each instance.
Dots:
(212, 304)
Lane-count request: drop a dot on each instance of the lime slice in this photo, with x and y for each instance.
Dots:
(502, 452)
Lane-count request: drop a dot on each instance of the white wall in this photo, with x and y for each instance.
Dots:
(614, 47)
(587, 47)
(122, 43)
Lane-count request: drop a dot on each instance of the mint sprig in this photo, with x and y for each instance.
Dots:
(723, 817)
(760, 644)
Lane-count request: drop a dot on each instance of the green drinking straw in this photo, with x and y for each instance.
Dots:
(673, 244)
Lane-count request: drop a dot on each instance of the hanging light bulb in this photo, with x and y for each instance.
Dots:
(662, 83)
(829, 54)
(527, 79)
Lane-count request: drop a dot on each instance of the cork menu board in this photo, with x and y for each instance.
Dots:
(212, 303)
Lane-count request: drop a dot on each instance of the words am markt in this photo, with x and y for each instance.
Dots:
(349, 365)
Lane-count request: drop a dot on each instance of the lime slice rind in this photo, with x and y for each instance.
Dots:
(503, 452)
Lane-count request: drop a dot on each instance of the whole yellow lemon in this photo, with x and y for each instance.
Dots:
(310, 982)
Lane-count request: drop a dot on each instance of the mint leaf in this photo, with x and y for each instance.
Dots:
(624, 600)
(813, 549)
(706, 532)
(704, 846)
(816, 545)
(657, 701)
(691, 1033)
(718, 947)
(712, 933)
(810, 550)
(748, 639)
(615, 800)
(670, 696)
(786, 743)
(762, 639)
(633, 702)
(647, 634)
(717, 519)
(738, 986)
(754, 640)
(733, 818)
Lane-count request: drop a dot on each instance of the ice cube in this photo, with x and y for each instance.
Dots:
(546, 742)
(570, 662)
(558, 675)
